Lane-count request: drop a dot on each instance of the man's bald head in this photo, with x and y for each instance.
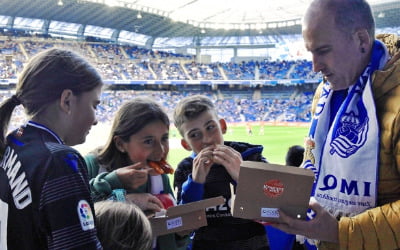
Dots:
(349, 15)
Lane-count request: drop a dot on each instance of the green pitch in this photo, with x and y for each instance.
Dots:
(276, 141)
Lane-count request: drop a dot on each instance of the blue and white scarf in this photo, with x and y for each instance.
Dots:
(344, 156)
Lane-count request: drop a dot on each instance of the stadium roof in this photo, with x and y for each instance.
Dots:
(218, 12)
(222, 12)
(185, 18)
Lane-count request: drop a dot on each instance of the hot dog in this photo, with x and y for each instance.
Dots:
(161, 167)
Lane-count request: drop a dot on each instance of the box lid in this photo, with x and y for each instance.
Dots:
(194, 206)
(263, 188)
(184, 217)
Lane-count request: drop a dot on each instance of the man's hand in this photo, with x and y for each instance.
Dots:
(323, 227)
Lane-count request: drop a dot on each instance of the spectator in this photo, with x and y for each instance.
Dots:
(139, 134)
(353, 144)
(210, 172)
(122, 226)
(294, 156)
(48, 204)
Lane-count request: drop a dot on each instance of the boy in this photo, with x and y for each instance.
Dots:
(211, 171)
(294, 156)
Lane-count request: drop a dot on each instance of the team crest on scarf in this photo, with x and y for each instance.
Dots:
(351, 134)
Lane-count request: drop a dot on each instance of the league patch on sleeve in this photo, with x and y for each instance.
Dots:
(85, 215)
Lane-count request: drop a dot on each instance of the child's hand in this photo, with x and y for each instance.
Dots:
(133, 176)
(202, 164)
(229, 158)
(146, 201)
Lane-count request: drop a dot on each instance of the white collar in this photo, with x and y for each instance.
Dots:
(41, 126)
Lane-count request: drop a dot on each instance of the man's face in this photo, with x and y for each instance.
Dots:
(335, 54)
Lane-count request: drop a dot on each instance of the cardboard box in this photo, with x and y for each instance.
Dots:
(264, 188)
(185, 217)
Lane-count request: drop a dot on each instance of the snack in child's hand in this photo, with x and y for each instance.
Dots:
(161, 167)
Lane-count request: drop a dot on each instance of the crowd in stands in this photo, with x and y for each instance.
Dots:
(234, 108)
(201, 71)
(122, 62)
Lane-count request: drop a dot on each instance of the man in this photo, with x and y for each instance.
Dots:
(353, 146)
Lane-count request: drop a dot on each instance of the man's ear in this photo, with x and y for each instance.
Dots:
(185, 145)
(119, 143)
(66, 100)
(363, 39)
(223, 125)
